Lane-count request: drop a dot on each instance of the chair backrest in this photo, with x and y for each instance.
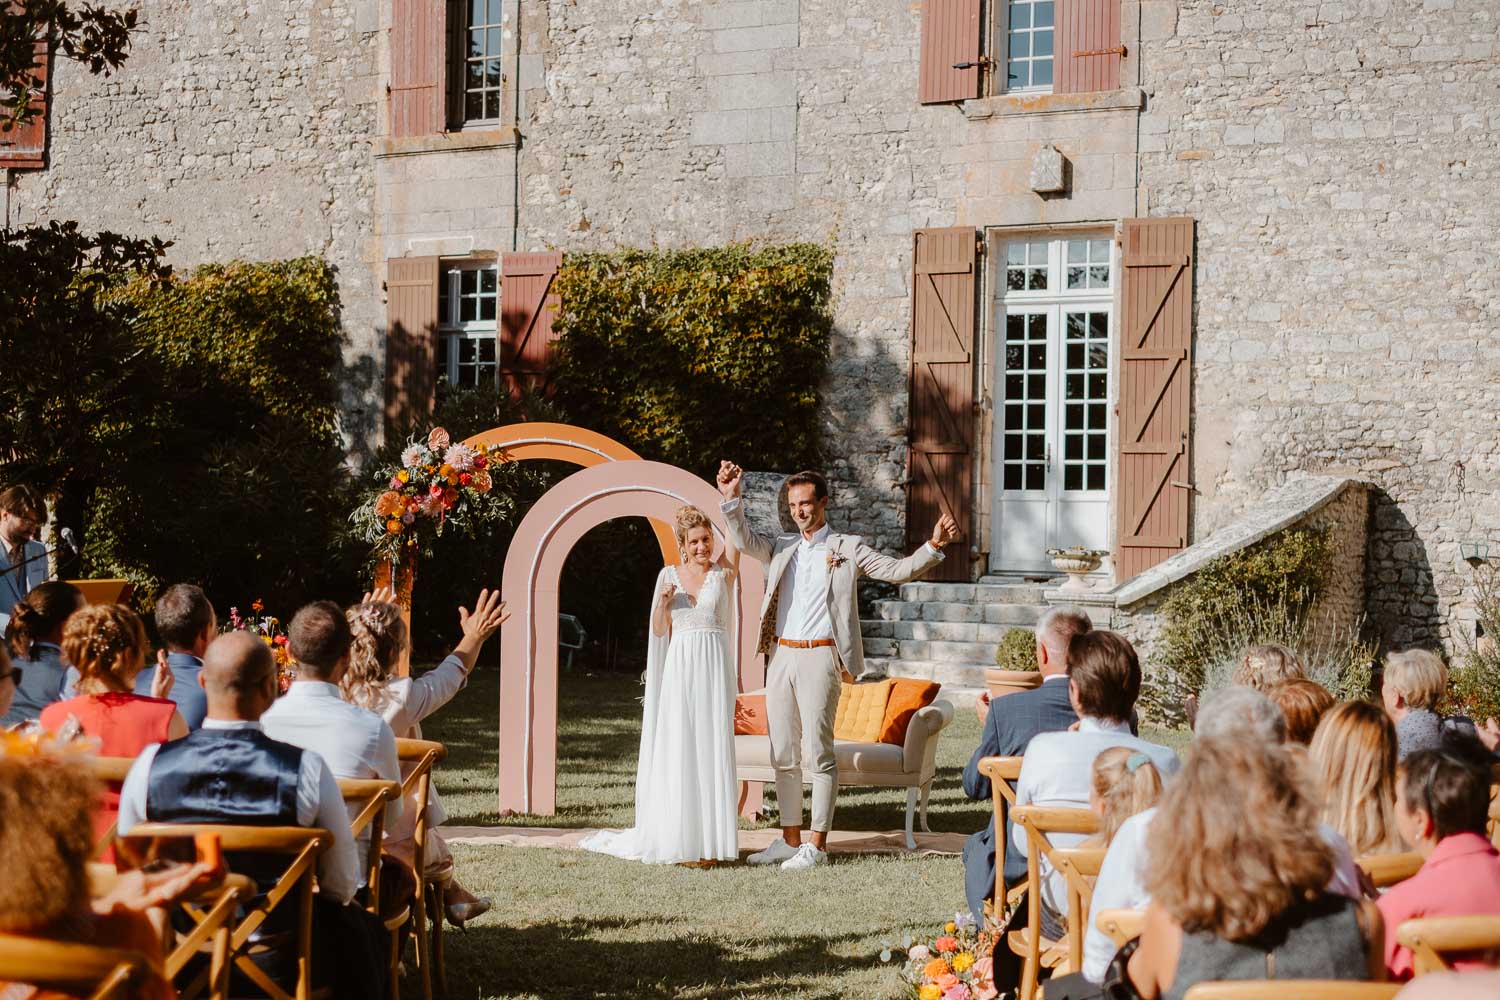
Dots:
(110, 770)
(1436, 941)
(1386, 870)
(418, 758)
(1300, 989)
(1122, 926)
(78, 969)
(1080, 868)
(1003, 773)
(372, 796)
(1040, 824)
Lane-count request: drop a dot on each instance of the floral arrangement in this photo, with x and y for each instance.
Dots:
(956, 965)
(438, 484)
(272, 634)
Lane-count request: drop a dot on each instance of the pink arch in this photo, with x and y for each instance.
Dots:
(528, 664)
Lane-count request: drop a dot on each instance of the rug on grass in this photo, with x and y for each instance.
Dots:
(839, 841)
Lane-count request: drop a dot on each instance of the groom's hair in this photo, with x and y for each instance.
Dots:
(810, 478)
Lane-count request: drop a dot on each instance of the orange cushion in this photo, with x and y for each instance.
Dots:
(750, 715)
(908, 694)
(861, 712)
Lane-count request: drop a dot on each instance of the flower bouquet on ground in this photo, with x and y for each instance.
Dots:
(438, 485)
(956, 965)
(272, 634)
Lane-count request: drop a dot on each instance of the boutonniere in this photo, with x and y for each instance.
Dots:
(835, 560)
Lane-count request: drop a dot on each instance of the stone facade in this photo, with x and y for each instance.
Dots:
(1337, 156)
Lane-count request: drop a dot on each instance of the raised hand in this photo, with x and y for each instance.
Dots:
(380, 595)
(162, 679)
(945, 531)
(668, 591)
(730, 480)
(484, 621)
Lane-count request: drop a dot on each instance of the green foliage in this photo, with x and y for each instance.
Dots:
(690, 356)
(1475, 685)
(91, 35)
(1017, 650)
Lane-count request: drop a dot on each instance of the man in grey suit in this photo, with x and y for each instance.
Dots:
(809, 629)
(23, 559)
(1011, 723)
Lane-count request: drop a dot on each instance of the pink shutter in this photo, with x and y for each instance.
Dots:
(411, 296)
(950, 36)
(527, 306)
(418, 28)
(25, 145)
(1088, 46)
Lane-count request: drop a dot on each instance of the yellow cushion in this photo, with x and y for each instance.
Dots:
(861, 712)
(908, 694)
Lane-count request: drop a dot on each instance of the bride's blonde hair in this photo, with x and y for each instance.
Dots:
(379, 639)
(686, 519)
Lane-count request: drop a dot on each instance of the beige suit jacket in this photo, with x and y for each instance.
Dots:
(850, 557)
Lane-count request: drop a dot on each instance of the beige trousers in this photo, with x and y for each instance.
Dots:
(802, 698)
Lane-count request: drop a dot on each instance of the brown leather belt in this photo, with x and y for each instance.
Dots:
(805, 643)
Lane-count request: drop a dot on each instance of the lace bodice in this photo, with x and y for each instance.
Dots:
(710, 611)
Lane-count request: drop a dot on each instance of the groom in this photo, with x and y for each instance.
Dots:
(811, 617)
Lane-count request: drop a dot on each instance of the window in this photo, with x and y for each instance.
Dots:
(478, 49)
(468, 302)
(1028, 45)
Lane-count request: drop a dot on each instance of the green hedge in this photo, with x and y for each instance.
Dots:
(690, 356)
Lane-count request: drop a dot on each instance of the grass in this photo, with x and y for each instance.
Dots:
(573, 924)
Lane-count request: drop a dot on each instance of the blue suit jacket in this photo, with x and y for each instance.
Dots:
(1012, 722)
(192, 703)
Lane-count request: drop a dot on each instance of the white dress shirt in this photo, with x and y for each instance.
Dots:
(354, 742)
(802, 600)
(318, 804)
(1121, 884)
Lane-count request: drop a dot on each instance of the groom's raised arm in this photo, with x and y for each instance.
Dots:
(888, 569)
(744, 537)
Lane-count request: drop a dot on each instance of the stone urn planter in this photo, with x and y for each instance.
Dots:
(1077, 562)
(1002, 682)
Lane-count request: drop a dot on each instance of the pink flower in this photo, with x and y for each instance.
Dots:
(395, 483)
(947, 981)
(946, 944)
(460, 456)
(983, 975)
(438, 440)
(959, 992)
(919, 953)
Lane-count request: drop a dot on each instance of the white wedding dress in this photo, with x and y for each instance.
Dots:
(685, 790)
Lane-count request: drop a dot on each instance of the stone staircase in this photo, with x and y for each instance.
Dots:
(948, 632)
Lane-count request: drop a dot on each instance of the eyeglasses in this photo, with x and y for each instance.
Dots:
(14, 675)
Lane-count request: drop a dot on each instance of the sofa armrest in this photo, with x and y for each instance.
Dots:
(920, 749)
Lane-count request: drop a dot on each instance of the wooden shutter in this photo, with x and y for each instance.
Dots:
(941, 395)
(527, 306)
(411, 340)
(950, 35)
(1088, 46)
(1156, 366)
(418, 30)
(25, 145)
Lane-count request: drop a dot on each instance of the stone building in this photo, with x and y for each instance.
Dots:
(1114, 269)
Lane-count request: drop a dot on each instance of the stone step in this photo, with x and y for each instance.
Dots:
(955, 677)
(945, 631)
(1022, 615)
(971, 593)
(980, 654)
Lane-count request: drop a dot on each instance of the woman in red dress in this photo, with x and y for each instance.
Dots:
(107, 645)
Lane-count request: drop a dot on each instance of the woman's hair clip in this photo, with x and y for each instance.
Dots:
(1134, 761)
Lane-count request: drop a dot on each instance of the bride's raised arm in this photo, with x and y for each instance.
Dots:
(730, 559)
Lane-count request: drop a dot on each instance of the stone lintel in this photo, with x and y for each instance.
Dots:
(447, 142)
(1006, 105)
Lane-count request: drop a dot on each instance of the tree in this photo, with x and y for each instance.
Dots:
(93, 36)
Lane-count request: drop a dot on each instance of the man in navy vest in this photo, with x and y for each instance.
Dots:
(230, 771)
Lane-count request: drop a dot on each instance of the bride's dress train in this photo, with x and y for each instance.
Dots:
(685, 790)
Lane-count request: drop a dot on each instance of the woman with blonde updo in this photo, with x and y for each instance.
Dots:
(380, 639)
(685, 790)
(106, 644)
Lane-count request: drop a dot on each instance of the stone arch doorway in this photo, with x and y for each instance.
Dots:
(528, 642)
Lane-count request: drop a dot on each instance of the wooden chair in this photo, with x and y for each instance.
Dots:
(1122, 926)
(1003, 773)
(1436, 941)
(418, 758)
(1039, 822)
(76, 969)
(1294, 989)
(293, 886)
(1386, 870)
(1080, 869)
(1493, 825)
(110, 770)
(372, 796)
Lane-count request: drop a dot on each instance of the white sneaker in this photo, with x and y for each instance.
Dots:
(778, 852)
(807, 856)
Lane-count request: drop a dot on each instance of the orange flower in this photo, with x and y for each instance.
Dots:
(947, 981)
(388, 503)
(482, 482)
(393, 526)
(946, 944)
(936, 967)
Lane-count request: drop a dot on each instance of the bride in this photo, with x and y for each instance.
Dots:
(685, 790)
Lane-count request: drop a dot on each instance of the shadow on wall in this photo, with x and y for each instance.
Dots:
(1401, 602)
(361, 382)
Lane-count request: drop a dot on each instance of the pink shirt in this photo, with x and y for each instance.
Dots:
(1461, 878)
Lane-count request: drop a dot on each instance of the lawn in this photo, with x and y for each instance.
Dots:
(573, 924)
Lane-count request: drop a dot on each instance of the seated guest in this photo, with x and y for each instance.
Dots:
(1354, 757)
(1413, 684)
(34, 636)
(106, 643)
(9, 679)
(380, 639)
(1010, 724)
(1262, 665)
(187, 624)
(1442, 805)
(1303, 703)
(273, 784)
(1104, 680)
(1237, 872)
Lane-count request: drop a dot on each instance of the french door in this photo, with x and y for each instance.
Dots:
(1054, 337)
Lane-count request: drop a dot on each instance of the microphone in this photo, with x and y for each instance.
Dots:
(67, 544)
(68, 541)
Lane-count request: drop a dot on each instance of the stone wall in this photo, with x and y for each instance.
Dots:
(1341, 159)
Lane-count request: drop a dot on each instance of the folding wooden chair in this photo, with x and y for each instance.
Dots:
(111, 771)
(1003, 773)
(418, 758)
(1122, 926)
(1436, 941)
(372, 796)
(1080, 868)
(76, 969)
(1386, 870)
(1493, 825)
(1300, 989)
(293, 886)
(1039, 822)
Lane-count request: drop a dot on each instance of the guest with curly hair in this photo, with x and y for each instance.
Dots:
(34, 637)
(1354, 756)
(1264, 664)
(1304, 703)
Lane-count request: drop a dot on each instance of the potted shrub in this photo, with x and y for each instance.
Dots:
(1015, 664)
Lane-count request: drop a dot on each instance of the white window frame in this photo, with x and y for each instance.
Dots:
(459, 13)
(451, 329)
(1001, 33)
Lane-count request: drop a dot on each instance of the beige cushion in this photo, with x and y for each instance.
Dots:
(755, 751)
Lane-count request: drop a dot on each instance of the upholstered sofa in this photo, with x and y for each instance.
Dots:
(910, 765)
